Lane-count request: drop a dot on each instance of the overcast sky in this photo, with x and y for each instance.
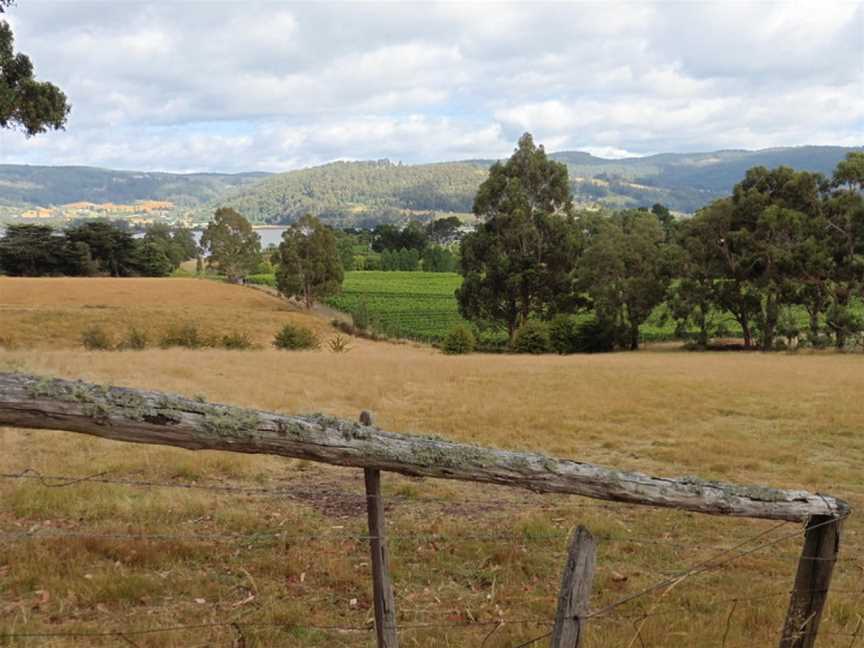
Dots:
(218, 86)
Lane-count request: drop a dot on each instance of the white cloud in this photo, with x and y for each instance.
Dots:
(211, 85)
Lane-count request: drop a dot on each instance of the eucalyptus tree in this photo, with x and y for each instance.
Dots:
(518, 263)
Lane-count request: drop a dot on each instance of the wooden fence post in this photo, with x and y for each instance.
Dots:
(575, 590)
(382, 587)
(821, 545)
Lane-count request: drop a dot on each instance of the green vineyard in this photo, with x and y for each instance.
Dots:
(416, 305)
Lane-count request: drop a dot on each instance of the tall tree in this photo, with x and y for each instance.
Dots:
(625, 269)
(34, 106)
(231, 245)
(517, 263)
(309, 263)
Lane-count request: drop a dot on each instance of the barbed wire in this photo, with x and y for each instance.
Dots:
(608, 612)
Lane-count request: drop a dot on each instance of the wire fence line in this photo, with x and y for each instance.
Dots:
(607, 613)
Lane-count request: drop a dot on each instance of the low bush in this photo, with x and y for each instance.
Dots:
(95, 338)
(262, 279)
(294, 338)
(188, 336)
(339, 344)
(236, 341)
(564, 334)
(459, 340)
(135, 340)
(532, 337)
(360, 316)
(594, 336)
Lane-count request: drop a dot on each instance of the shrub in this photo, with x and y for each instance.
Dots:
(458, 340)
(564, 334)
(184, 335)
(293, 338)
(532, 337)
(135, 339)
(339, 344)
(360, 316)
(594, 336)
(236, 341)
(95, 338)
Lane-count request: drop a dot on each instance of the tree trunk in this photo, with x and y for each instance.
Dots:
(770, 315)
(703, 325)
(634, 336)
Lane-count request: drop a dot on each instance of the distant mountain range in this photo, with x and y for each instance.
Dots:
(362, 193)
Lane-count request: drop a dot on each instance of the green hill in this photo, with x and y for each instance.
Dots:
(46, 186)
(364, 193)
(351, 193)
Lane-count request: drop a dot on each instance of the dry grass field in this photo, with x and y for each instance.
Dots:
(471, 563)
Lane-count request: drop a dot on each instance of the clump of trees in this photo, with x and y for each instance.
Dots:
(783, 240)
(94, 248)
(429, 247)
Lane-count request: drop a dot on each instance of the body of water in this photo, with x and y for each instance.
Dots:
(269, 235)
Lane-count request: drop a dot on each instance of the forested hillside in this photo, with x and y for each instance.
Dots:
(349, 193)
(44, 186)
(366, 193)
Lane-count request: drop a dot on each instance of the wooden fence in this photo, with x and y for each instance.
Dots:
(139, 416)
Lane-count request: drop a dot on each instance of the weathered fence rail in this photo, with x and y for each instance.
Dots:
(139, 416)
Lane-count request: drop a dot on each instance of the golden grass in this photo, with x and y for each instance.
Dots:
(779, 419)
(53, 313)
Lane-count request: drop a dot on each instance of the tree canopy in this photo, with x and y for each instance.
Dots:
(231, 245)
(25, 103)
(518, 263)
(309, 263)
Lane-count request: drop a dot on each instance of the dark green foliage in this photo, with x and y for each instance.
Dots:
(564, 333)
(113, 250)
(32, 251)
(95, 338)
(532, 337)
(309, 264)
(151, 260)
(405, 260)
(593, 336)
(135, 340)
(459, 340)
(295, 338)
(443, 230)
(177, 244)
(186, 335)
(232, 246)
(518, 263)
(25, 103)
(438, 259)
(625, 269)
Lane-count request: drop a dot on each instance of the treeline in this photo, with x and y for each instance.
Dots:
(94, 248)
(784, 241)
(430, 247)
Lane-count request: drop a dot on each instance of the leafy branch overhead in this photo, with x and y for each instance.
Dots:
(25, 103)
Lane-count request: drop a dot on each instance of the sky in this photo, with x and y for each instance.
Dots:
(236, 86)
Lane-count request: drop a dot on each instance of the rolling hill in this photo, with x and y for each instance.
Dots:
(363, 193)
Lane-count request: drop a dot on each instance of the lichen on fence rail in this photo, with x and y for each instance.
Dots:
(140, 416)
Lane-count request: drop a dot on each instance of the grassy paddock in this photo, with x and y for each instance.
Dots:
(53, 313)
(778, 419)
